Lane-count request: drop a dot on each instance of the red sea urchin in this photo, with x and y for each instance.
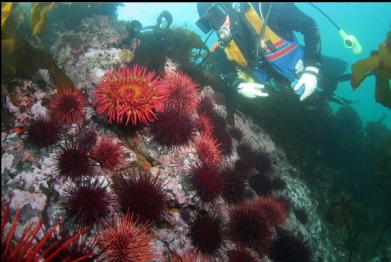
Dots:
(183, 92)
(107, 153)
(68, 106)
(207, 182)
(206, 234)
(273, 209)
(88, 202)
(124, 241)
(204, 124)
(140, 194)
(208, 150)
(130, 94)
(172, 129)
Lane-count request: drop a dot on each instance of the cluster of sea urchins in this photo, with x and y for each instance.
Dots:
(176, 125)
(176, 114)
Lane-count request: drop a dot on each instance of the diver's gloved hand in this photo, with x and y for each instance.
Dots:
(308, 81)
(252, 90)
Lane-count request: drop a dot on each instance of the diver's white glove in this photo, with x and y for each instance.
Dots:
(308, 81)
(252, 90)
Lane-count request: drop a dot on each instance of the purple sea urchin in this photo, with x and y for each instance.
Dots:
(88, 202)
(73, 163)
(107, 153)
(240, 255)
(248, 227)
(172, 129)
(140, 194)
(206, 234)
(42, 132)
(233, 185)
(87, 139)
(288, 247)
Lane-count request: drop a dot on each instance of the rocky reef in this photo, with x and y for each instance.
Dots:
(38, 184)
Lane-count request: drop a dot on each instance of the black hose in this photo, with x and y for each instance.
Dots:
(323, 13)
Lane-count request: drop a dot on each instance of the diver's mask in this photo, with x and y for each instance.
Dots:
(224, 32)
(213, 18)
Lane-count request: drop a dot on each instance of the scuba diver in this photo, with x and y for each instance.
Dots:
(258, 41)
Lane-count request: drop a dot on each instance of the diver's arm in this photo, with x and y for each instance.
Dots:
(227, 70)
(288, 17)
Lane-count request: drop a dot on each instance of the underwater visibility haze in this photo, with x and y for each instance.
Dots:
(195, 131)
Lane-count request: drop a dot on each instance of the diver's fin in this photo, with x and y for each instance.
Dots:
(363, 68)
(383, 90)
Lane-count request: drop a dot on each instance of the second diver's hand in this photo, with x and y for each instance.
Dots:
(251, 90)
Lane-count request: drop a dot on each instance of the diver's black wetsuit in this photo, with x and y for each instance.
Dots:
(284, 19)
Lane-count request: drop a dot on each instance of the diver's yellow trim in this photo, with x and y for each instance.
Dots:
(232, 50)
(234, 54)
(257, 23)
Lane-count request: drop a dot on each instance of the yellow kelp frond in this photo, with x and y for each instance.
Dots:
(385, 54)
(6, 10)
(363, 68)
(39, 16)
(383, 89)
(8, 64)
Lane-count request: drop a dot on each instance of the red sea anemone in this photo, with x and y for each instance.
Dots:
(130, 94)
(206, 234)
(107, 153)
(68, 106)
(126, 241)
(183, 92)
(73, 162)
(207, 182)
(208, 150)
(88, 202)
(140, 194)
(42, 132)
(172, 129)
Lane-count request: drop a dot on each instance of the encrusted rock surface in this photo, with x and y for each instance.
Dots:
(30, 173)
